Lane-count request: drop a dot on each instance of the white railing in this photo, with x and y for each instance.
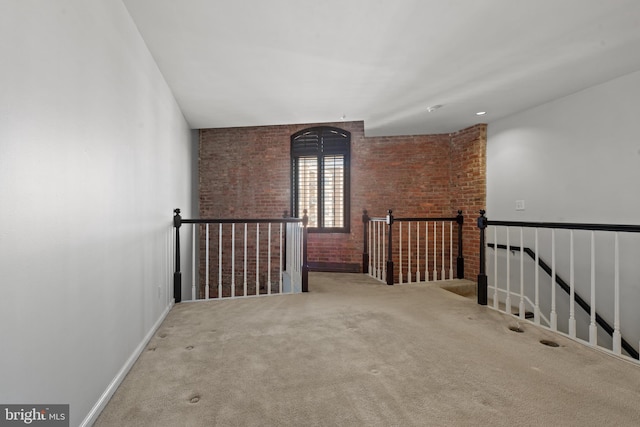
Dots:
(416, 250)
(580, 280)
(377, 236)
(233, 258)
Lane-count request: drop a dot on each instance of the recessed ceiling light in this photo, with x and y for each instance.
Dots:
(481, 113)
(433, 108)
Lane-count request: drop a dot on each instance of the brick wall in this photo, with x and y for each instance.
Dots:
(245, 172)
(469, 188)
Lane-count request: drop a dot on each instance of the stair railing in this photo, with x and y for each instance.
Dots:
(595, 319)
(243, 257)
(419, 250)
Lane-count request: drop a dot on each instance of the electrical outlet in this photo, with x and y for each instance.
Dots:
(519, 205)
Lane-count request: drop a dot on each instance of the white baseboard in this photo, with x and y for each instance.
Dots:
(92, 416)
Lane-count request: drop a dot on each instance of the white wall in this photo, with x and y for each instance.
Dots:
(575, 159)
(94, 156)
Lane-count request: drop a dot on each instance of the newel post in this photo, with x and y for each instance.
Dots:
(177, 275)
(482, 276)
(365, 251)
(390, 249)
(305, 261)
(460, 259)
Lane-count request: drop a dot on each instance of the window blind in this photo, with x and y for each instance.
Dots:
(333, 182)
(320, 177)
(308, 188)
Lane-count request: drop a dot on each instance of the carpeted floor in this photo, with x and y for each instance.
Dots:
(354, 352)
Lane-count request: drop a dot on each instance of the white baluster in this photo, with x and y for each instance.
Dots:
(593, 329)
(375, 250)
(450, 250)
(426, 251)
(409, 255)
(383, 258)
(536, 312)
(443, 274)
(400, 252)
(220, 261)
(281, 272)
(380, 233)
(372, 249)
(553, 318)
(193, 263)
(233, 260)
(295, 260)
(521, 305)
(206, 279)
(435, 252)
(496, 302)
(290, 252)
(290, 255)
(299, 246)
(379, 265)
(617, 338)
(257, 258)
(572, 291)
(507, 303)
(299, 263)
(244, 281)
(269, 261)
(418, 251)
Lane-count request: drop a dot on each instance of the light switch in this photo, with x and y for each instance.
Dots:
(519, 205)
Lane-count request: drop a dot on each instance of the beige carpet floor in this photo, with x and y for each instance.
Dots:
(355, 352)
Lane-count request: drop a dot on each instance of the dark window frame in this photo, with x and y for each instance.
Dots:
(321, 142)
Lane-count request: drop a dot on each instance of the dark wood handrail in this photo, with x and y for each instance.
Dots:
(241, 220)
(452, 219)
(569, 226)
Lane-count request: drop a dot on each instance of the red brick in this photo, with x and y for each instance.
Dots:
(245, 172)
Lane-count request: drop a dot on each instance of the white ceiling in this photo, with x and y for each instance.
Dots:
(265, 62)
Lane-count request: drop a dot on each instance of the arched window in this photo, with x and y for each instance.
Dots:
(320, 158)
